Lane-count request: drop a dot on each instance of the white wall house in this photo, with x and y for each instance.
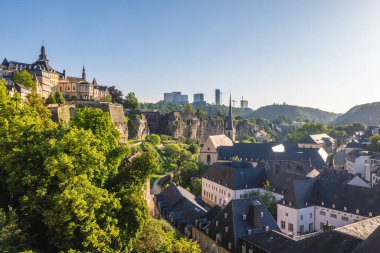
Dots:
(356, 162)
(294, 221)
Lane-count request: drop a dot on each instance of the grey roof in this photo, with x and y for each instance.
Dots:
(237, 226)
(180, 204)
(349, 238)
(236, 176)
(264, 151)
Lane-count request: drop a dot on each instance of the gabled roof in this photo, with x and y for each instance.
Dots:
(318, 139)
(231, 216)
(236, 176)
(220, 140)
(180, 203)
(266, 151)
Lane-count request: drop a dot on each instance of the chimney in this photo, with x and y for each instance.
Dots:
(255, 214)
(64, 74)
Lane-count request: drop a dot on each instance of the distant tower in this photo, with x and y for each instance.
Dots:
(43, 56)
(230, 130)
(84, 73)
(217, 97)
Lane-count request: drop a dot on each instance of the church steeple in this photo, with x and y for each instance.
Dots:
(84, 73)
(230, 131)
(43, 56)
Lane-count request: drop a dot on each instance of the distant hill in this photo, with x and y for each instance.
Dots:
(368, 114)
(272, 112)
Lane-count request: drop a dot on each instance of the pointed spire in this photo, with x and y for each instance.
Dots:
(230, 125)
(84, 73)
(43, 56)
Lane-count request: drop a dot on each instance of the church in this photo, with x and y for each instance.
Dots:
(49, 80)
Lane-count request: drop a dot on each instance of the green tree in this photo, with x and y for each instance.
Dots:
(24, 78)
(107, 98)
(201, 113)
(307, 129)
(154, 139)
(374, 143)
(357, 126)
(131, 102)
(158, 237)
(189, 109)
(59, 98)
(12, 236)
(51, 100)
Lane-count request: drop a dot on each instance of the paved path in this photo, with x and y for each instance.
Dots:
(156, 188)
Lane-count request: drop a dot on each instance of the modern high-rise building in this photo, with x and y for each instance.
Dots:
(176, 97)
(243, 103)
(217, 97)
(199, 97)
(199, 100)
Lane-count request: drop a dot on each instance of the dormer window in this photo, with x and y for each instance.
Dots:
(323, 203)
(246, 186)
(306, 204)
(357, 210)
(225, 215)
(262, 214)
(244, 217)
(333, 205)
(283, 202)
(207, 230)
(229, 246)
(217, 223)
(249, 231)
(226, 229)
(370, 214)
(345, 208)
(290, 203)
(218, 238)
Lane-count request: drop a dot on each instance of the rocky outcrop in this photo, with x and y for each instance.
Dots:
(176, 124)
(139, 128)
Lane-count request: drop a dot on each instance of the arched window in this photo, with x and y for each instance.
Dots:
(208, 159)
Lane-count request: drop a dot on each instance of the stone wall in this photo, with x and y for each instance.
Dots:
(116, 111)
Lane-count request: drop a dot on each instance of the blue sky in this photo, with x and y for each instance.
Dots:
(323, 54)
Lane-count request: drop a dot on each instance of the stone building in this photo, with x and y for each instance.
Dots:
(49, 80)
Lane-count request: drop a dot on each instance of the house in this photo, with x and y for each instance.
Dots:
(179, 207)
(209, 152)
(358, 237)
(221, 232)
(304, 201)
(318, 141)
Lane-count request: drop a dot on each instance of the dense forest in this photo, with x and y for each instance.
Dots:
(71, 188)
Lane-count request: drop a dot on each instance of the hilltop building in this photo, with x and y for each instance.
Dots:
(243, 103)
(199, 100)
(49, 80)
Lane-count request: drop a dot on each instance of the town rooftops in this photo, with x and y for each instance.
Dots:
(238, 218)
(253, 152)
(179, 205)
(358, 237)
(236, 175)
(318, 139)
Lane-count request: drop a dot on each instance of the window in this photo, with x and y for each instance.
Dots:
(286, 214)
(322, 212)
(333, 215)
(301, 217)
(311, 227)
(321, 226)
(302, 229)
(208, 159)
(344, 218)
(290, 227)
(311, 215)
(282, 224)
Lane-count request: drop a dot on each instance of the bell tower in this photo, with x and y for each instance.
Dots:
(230, 130)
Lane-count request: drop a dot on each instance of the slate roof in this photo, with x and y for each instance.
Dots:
(237, 226)
(358, 237)
(318, 139)
(236, 176)
(264, 151)
(180, 204)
